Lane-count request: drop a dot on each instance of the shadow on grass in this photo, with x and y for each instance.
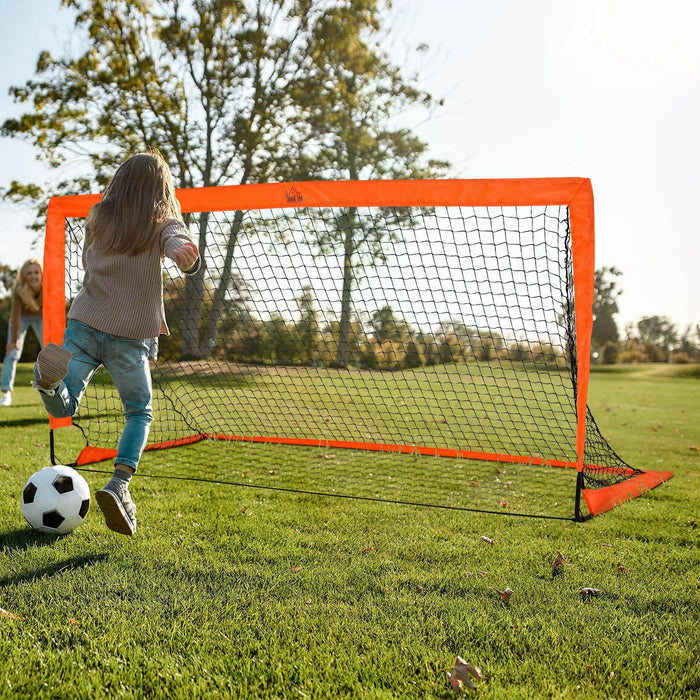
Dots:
(25, 537)
(23, 422)
(59, 567)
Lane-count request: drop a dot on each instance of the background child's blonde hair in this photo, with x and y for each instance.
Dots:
(30, 299)
(140, 197)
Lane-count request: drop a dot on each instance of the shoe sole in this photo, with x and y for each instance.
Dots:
(53, 364)
(115, 516)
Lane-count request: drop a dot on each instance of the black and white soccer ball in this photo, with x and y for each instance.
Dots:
(55, 500)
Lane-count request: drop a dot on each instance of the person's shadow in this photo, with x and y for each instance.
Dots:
(24, 538)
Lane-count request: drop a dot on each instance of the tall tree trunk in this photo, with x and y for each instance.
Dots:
(209, 335)
(342, 358)
(194, 299)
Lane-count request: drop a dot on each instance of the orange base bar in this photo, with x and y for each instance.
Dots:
(601, 500)
(89, 454)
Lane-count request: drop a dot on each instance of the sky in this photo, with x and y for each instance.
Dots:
(603, 89)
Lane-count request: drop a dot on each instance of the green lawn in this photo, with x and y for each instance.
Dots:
(227, 591)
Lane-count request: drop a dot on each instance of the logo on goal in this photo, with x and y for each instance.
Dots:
(294, 196)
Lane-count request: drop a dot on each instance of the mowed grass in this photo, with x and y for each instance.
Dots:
(244, 593)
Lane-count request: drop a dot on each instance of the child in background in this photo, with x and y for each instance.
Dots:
(118, 314)
(25, 313)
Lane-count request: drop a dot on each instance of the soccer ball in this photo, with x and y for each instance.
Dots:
(55, 500)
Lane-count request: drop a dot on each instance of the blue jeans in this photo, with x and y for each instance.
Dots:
(9, 364)
(126, 360)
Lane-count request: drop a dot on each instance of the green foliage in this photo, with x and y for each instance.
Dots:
(609, 353)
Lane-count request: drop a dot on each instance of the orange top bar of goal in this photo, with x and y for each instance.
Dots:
(368, 193)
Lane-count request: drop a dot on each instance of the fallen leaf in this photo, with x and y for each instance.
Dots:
(296, 570)
(488, 540)
(621, 569)
(694, 448)
(483, 574)
(502, 503)
(590, 592)
(323, 455)
(73, 621)
(10, 616)
(604, 544)
(367, 549)
(420, 589)
(504, 595)
(559, 560)
(461, 674)
(469, 574)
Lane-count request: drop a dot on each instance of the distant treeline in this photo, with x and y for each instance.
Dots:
(380, 341)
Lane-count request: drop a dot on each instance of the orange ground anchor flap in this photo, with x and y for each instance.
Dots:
(601, 500)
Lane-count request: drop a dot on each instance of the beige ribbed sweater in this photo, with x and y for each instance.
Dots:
(123, 295)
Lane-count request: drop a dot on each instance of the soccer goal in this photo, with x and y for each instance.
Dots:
(439, 329)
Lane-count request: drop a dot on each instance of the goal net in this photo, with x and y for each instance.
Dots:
(412, 320)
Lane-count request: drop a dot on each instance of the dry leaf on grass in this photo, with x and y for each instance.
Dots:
(73, 621)
(694, 448)
(590, 592)
(488, 540)
(461, 674)
(296, 570)
(483, 574)
(504, 595)
(558, 561)
(10, 616)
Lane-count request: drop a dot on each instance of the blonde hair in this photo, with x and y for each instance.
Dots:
(31, 300)
(140, 197)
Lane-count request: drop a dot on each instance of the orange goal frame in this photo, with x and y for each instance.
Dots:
(574, 193)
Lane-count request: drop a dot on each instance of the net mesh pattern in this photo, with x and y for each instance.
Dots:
(448, 328)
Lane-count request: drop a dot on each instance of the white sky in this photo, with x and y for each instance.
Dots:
(605, 89)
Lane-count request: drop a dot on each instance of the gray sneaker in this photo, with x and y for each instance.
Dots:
(118, 508)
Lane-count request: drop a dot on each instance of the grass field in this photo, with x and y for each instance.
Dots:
(238, 592)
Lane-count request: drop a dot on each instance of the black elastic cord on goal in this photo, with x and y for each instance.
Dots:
(332, 495)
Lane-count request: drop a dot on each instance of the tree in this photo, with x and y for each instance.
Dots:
(233, 91)
(307, 328)
(208, 82)
(689, 342)
(351, 97)
(7, 280)
(605, 296)
(658, 332)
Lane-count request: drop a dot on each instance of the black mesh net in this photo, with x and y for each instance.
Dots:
(443, 331)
